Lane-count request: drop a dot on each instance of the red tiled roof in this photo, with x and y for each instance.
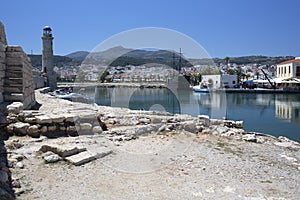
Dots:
(290, 61)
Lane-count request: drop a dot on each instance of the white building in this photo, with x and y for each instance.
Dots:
(289, 69)
(220, 81)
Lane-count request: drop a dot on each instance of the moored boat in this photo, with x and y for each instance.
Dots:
(201, 88)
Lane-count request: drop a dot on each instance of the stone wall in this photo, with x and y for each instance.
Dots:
(16, 80)
(38, 80)
(18, 85)
(3, 44)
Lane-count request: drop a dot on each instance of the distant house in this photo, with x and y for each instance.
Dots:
(220, 81)
(289, 69)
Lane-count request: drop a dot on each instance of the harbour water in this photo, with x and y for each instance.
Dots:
(274, 114)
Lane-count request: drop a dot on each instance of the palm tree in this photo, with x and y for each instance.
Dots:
(239, 73)
(227, 60)
(257, 74)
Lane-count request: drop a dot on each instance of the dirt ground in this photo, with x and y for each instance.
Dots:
(161, 166)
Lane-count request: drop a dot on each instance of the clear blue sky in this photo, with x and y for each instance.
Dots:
(222, 27)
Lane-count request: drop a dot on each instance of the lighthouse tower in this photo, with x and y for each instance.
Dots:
(47, 58)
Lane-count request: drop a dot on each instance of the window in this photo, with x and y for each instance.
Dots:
(280, 70)
(289, 69)
(233, 82)
(298, 71)
(284, 70)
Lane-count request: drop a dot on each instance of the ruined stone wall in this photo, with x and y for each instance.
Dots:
(3, 44)
(18, 85)
(16, 80)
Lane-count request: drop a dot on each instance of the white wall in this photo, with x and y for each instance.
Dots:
(217, 80)
(229, 80)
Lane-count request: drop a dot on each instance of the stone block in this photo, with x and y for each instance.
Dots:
(43, 119)
(57, 118)
(13, 97)
(85, 126)
(51, 157)
(34, 131)
(101, 152)
(14, 61)
(70, 118)
(81, 158)
(15, 108)
(11, 49)
(62, 150)
(205, 119)
(190, 127)
(51, 128)
(239, 124)
(20, 128)
(44, 129)
(14, 68)
(97, 129)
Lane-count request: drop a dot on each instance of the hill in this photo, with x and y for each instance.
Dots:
(78, 55)
(262, 60)
(58, 61)
(120, 56)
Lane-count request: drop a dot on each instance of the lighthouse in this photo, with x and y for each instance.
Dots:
(47, 58)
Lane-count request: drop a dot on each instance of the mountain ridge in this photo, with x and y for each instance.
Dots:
(124, 56)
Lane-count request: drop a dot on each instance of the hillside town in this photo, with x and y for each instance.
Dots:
(231, 75)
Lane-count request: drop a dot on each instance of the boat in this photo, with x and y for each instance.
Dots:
(201, 88)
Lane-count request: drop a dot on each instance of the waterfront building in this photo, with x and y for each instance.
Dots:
(219, 81)
(289, 69)
(288, 74)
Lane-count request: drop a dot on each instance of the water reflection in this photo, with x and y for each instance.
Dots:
(276, 114)
(287, 107)
(139, 99)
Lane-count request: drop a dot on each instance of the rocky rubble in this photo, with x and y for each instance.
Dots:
(94, 121)
(98, 123)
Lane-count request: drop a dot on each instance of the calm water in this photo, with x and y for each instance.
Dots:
(274, 114)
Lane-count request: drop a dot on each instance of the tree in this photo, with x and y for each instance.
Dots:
(257, 74)
(102, 76)
(239, 73)
(231, 71)
(209, 71)
(227, 60)
(81, 76)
